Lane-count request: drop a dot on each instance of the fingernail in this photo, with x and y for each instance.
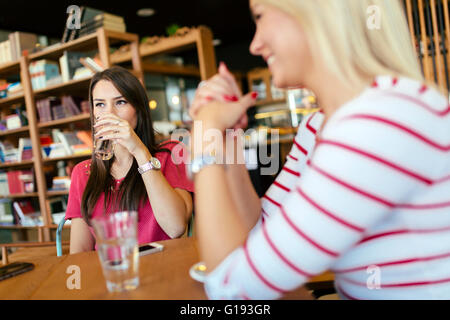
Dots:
(228, 98)
(234, 99)
(209, 98)
(254, 95)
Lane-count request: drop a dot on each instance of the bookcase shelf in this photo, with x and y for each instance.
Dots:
(54, 123)
(27, 163)
(6, 102)
(14, 131)
(57, 193)
(21, 195)
(10, 67)
(66, 158)
(63, 87)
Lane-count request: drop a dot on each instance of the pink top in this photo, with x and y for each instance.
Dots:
(173, 169)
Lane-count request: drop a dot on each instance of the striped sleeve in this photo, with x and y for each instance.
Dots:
(303, 144)
(356, 177)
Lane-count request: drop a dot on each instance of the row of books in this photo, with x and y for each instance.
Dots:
(54, 108)
(13, 118)
(22, 212)
(91, 20)
(44, 73)
(10, 88)
(13, 48)
(57, 144)
(66, 143)
(25, 212)
(16, 182)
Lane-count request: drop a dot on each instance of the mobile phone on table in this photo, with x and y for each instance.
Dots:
(148, 248)
(14, 269)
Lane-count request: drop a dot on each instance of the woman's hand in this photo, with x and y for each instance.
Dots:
(119, 130)
(222, 116)
(223, 88)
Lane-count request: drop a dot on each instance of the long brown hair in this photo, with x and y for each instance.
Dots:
(132, 191)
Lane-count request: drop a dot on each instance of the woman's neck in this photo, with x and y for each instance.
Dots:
(122, 163)
(332, 93)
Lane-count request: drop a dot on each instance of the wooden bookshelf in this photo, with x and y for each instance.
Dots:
(20, 195)
(14, 131)
(27, 163)
(57, 193)
(66, 158)
(101, 41)
(8, 101)
(64, 87)
(54, 123)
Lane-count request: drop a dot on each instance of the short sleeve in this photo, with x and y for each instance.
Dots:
(174, 169)
(75, 193)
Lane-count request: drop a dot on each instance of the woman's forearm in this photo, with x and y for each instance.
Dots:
(244, 194)
(240, 185)
(170, 209)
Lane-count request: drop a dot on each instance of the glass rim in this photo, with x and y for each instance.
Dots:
(109, 216)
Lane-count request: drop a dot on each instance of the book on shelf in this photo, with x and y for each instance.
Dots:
(21, 41)
(42, 72)
(6, 212)
(25, 149)
(13, 122)
(8, 152)
(27, 214)
(70, 62)
(92, 26)
(4, 186)
(86, 13)
(93, 64)
(60, 183)
(45, 106)
(20, 181)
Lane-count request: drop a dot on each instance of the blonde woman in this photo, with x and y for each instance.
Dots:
(373, 202)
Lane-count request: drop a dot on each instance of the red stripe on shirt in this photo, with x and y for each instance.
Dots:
(399, 285)
(394, 82)
(299, 147)
(292, 157)
(393, 263)
(379, 160)
(328, 213)
(401, 232)
(258, 274)
(403, 128)
(304, 236)
(282, 257)
(376, 198)
(279, 185)
(419, 103)
(352, 188)
(309, 127)
(272, 201)
(295, 173)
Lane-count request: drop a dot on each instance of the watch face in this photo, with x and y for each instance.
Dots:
(155, 163)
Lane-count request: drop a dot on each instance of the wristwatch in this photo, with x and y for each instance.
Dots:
(153, 164)
(199, 163)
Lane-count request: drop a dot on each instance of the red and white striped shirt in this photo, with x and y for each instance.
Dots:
(372, 205)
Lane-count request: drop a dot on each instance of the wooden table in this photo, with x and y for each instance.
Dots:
(163, 275)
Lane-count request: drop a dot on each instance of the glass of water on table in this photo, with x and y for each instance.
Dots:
(117, 248)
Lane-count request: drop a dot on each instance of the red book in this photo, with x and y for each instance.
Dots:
(14, 182)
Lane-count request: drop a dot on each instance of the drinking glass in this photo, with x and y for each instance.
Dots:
(117, 248)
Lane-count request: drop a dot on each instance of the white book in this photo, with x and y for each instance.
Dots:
(63, 64)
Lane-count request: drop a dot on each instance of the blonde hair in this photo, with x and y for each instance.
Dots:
(338, 33)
